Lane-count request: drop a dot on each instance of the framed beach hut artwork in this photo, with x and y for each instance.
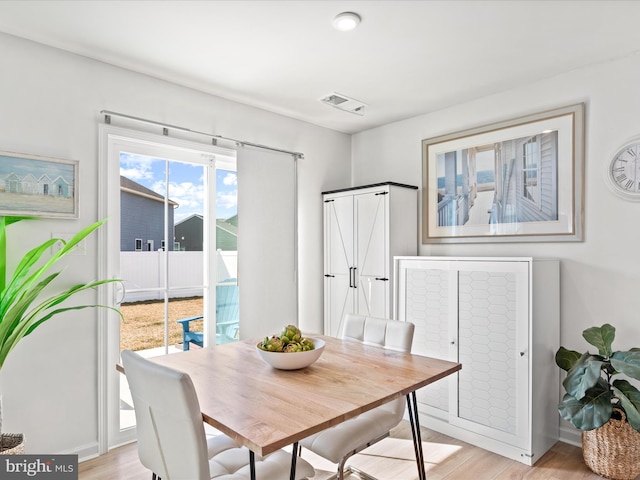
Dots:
(515, 181)
(36, 186)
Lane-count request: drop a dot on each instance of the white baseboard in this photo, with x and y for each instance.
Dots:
(571, 435)
(84, 452)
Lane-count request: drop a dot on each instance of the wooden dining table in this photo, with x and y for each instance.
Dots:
(266, 409)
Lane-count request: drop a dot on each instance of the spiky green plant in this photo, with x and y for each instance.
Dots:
(22, 309)
(593, 385)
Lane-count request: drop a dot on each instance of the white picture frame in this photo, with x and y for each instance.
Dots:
(38, 186)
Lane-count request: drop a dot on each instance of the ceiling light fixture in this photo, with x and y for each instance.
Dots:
(346, 21)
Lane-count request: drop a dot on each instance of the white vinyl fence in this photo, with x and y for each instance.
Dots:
(144, 278)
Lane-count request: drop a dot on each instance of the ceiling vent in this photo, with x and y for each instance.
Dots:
(342, 102)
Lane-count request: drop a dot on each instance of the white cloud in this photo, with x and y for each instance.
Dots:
(230, 179)
(135, 167)
(189, 196)
(227, 200)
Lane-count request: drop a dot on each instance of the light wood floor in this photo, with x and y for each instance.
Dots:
(393, 459)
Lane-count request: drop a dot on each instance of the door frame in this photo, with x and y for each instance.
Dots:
(110, 141)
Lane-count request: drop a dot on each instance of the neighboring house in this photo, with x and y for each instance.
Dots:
(189, 233)
(142, 218)
(227, 234)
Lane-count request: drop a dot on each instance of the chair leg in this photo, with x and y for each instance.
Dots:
(362, 475)
(342, 468)
(342, 471)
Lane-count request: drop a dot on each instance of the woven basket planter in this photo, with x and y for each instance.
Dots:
(613, 450)
(11, 444)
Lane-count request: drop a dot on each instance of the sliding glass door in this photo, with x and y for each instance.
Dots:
(162, 198)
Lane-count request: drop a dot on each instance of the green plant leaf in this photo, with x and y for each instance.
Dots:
(566, 359)
(13, 317)
(584, 375)
(40, 313)
(627, 363)
(18, 285)
(601, 338)
(591, 411)
(20, 312)
(630, 400)
(5, 221)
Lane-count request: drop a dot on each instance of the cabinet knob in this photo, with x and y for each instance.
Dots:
(453, 342)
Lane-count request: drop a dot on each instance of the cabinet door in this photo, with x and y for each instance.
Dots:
(339, 260)
(493, 348)
(371, 258)
(427, 297)
(339, 300)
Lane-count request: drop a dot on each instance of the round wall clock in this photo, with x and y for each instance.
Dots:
(624, 171)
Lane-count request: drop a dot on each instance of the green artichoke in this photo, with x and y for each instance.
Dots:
(307, 344)
(292, 347)
(273, 344)
(290, 333)
(290, 340)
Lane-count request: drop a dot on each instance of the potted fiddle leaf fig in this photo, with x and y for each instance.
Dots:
(605, 406)
(29, 297)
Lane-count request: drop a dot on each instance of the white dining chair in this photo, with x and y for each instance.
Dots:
(337, 444)
(171, 436)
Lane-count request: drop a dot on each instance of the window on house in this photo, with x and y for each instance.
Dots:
(530, 167)
(150, 246)
(138, 245)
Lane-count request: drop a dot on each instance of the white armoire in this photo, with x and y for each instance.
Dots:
(364, 228)
(499, 318)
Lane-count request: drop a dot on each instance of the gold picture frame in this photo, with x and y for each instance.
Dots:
(519, 180)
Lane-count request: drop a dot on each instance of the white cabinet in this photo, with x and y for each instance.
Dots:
(498, 317)
(364, 228)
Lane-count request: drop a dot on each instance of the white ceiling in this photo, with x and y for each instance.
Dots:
(405, 59)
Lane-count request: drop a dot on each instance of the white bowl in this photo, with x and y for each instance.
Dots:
(293, 360)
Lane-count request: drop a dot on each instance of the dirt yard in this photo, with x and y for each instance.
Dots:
(143, 324)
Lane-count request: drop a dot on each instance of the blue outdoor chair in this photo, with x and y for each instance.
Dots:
(227, 317)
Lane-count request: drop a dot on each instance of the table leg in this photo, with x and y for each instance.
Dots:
(294, 456)
(252, 464)
(412, 406)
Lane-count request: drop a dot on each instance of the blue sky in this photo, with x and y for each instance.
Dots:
(185, 184)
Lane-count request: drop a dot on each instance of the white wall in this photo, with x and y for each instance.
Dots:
(600, 277)
(49, 105)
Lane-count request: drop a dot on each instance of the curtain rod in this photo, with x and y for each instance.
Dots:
(108, 114)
